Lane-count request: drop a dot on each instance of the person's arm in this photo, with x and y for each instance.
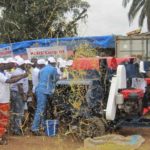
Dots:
(16, 78)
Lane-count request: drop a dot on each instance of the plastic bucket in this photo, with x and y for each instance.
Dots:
(51, 127)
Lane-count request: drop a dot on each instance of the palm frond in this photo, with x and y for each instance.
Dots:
(125, 2)
(142, 17)
(135, 7)
(147, 7)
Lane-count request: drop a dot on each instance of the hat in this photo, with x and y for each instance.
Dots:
(20, 61)
(41, 62)
(51, 60)
(59, 60)
(2, 61)
(17, 57)
(11, 60)
(69, 63)
(28, 62)
(63, 64)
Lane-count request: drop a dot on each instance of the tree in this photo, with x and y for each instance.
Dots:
(34, 19)
(142, 6)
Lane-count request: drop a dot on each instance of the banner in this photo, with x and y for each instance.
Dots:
(45, 52)
(6, 52)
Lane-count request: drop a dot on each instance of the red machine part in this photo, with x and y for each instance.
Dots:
(123, 60)
(94, 62)
(127, 92)
(86, 64)
(147, 81)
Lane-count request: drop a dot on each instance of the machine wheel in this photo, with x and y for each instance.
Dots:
(91, 127)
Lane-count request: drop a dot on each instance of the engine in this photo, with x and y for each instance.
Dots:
(130, 102)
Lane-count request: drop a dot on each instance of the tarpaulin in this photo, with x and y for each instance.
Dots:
(113, 142)
(19, 48)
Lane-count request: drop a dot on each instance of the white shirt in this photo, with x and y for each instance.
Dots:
(24, 81)
(35, 78)
(58, 71)
(4, 89)
(139, 83)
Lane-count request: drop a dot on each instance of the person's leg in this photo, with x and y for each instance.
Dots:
(4, 119)
(43, 117)
(18, 112)
(39, 113)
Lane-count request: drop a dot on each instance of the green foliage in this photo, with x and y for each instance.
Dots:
(142, 6)
(85, 50)
(34, 19)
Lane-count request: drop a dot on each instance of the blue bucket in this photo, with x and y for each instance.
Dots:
(51, 127)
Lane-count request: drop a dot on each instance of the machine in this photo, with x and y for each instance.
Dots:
(97, 98)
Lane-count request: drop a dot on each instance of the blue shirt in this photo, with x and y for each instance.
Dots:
(131, 70)
(47, 80)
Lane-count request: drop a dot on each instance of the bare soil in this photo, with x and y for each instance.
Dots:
(64, 143)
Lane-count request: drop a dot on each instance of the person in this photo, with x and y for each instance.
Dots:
(35, 73)
(45, 88)
(69, 64)
(34, 62)
(11, 64)
(132, 71)
(39, 64)
(52, 61)
(5, 80)
(19, 92)
(63, 71)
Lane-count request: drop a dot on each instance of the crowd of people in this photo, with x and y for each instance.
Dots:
(17, 76)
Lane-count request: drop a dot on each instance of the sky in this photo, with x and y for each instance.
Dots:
(107, 17)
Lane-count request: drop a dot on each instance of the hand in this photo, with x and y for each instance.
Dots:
(28, 71)
(25, 75)
(24, 97)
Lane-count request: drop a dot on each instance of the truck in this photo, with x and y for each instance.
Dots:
(133, 45)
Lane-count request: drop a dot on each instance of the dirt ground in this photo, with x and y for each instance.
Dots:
(63, 143)
(145, 132)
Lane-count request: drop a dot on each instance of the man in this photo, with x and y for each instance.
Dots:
(35, 73)
(52, 61)
(34, 61)
(5, 80)
(19, 92)
(45, 88)
(63, 73)
(39, 64)
(34, 65)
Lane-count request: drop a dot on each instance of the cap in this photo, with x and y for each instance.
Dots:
(51, 60)
(17, 57)
(20, 61)
(11, 60)
(28, 62)
(59, 60)
(2, 61)
(41, 62)
(63, 64)
(69, 63)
